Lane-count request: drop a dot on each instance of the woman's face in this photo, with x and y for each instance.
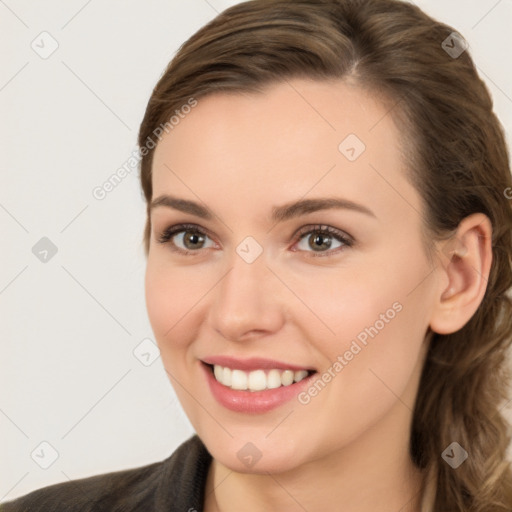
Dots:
(261, 292)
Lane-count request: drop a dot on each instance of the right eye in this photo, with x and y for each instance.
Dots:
(187, 239)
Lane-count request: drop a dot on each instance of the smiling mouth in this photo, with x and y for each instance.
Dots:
(256, 380)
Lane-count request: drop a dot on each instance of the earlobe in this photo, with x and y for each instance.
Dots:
(464, 266)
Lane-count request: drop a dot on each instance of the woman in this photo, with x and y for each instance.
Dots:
(329, 252)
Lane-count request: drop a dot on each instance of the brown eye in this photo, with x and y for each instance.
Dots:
(322, 240)
(182, 238)
(192, 239)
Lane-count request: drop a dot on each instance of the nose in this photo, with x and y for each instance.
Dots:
(248, 301)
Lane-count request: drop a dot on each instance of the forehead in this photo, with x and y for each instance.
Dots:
(295, 138)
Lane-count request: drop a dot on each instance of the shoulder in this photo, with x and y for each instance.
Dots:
(178, 479)
(93, 493)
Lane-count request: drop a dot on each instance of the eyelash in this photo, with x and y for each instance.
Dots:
(166, 236)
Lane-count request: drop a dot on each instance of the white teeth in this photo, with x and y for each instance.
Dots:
(256, 380)
(218, 372)
(287, 377)
(273, 379)
(226, 376)
(238, 379)
(301, 374)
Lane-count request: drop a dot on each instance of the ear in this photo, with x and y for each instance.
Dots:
(465, 263)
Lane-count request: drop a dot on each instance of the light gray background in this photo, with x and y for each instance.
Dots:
(69, 326)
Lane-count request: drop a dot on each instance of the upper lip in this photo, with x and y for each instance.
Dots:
(253, 363)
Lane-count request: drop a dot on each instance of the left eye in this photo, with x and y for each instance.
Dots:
(320, 238)
(189, 239)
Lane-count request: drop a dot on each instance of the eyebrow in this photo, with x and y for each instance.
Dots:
(279, 213)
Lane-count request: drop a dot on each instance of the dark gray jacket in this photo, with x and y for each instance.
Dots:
(174, 484)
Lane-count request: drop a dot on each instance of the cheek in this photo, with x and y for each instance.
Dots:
(369, 362)
(374, 317)
(389, 291)
(172, 295)
(342, 303)
(379, 319)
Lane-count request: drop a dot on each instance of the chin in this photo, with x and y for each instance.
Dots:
(255, 453)
(271, 463)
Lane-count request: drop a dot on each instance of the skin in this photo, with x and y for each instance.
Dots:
(240, 155)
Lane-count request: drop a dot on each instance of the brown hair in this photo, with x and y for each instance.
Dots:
(458, 162)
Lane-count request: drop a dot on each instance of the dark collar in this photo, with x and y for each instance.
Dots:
(183, 479)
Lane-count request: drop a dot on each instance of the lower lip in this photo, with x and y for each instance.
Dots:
(252, 401)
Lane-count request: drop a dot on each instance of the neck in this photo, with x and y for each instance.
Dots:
(370, 474)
